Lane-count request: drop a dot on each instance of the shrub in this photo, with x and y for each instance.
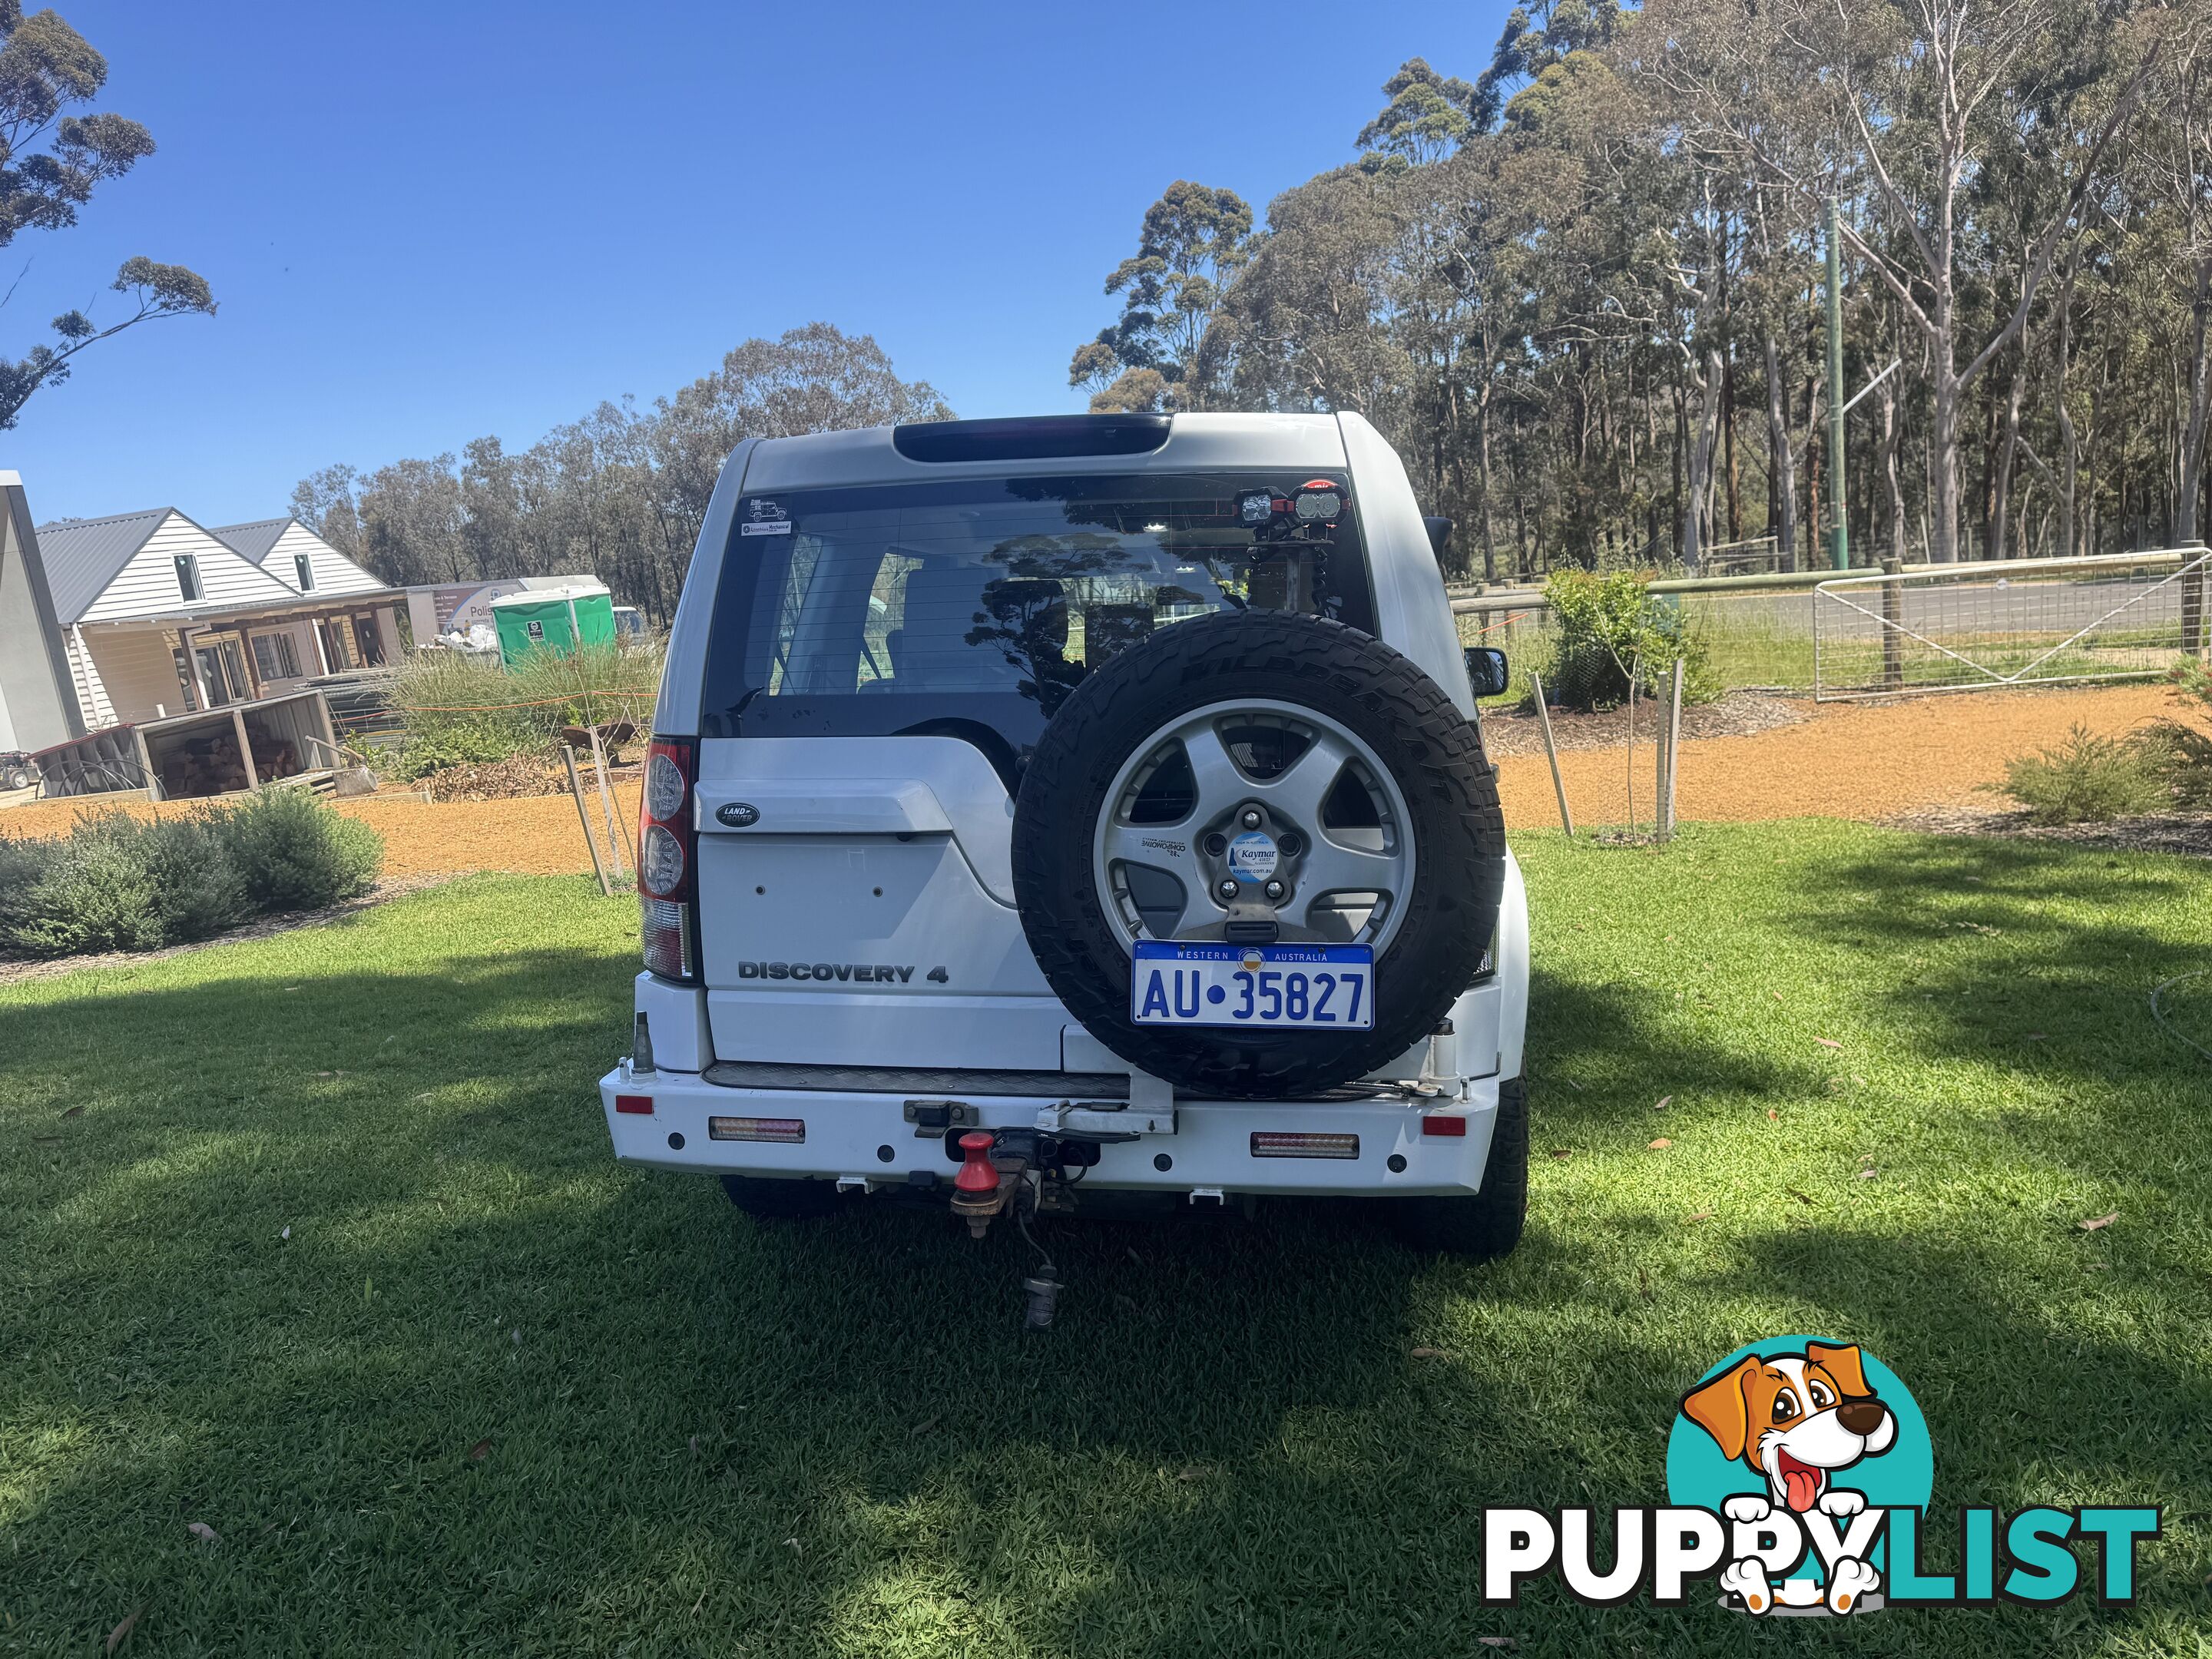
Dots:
(118, 883)
(462, 711)
(1611, 625)
(2180, 757)
(442, 697)
(89, 890)
(2087, 779)
(198, 890)
(479, 744)
(295, 854)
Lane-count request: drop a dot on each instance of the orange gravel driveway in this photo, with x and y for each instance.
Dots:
(1848, 760)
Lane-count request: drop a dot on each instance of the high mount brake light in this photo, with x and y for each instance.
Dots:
(668, 847)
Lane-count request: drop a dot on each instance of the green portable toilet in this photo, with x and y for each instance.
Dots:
(552, 619)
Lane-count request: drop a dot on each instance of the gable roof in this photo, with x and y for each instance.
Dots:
(254, 541)
(82, 556)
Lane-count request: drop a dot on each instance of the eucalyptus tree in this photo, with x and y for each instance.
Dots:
(51, 160)
(1193, 240)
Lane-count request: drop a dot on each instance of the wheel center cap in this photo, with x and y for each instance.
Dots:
(1253, 856)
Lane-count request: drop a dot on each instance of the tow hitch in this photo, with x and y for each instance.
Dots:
(1006, 1172)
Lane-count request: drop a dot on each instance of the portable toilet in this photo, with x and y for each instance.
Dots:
(553, 619)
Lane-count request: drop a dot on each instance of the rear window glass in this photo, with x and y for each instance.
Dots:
(977, 606)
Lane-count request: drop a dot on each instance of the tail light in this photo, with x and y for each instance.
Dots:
(667, 851)
(792, 1129)
(1285, 1144)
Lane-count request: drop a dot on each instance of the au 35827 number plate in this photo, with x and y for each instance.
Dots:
(1301, 986)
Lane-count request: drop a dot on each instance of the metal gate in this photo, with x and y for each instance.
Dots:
(2018, 622)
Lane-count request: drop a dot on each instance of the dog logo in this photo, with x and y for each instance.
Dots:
(738, 814)
(1802, 1443)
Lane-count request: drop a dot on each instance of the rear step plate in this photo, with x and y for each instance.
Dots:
(1299, 986)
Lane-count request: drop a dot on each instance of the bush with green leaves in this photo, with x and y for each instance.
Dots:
(458, 710)
(119, 883)
(2087, 779)
(1611, 627)
(295, 854)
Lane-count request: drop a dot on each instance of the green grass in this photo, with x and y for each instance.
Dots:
(707, 1436)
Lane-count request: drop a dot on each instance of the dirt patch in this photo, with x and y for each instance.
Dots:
(1736, 715)
(1866, 760)
(18, 973)
(529, 835)
(2186, 833)
(516, 778)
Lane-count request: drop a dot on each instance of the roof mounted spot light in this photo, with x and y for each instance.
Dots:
(1030, 438)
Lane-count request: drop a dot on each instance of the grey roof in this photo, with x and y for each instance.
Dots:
(82, 556)
(253, 541)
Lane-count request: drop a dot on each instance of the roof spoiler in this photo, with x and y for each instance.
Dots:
(1030, 437)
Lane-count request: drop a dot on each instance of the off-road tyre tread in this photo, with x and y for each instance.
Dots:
(1434, 752)
(767, 1200)
(1483, 1225)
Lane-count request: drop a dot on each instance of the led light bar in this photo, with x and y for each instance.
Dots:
(1267, 1143)
(756, 1128)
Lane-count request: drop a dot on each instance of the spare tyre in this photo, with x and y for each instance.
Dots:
(1260, 764)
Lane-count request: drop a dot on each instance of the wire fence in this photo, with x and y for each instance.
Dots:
(2038, 623)
(1947, 627)
(1752, 641)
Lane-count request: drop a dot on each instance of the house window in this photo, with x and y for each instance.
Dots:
(188, 577)
(274, 656)
(306, 570)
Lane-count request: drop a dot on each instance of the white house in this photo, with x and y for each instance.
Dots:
(160, 617)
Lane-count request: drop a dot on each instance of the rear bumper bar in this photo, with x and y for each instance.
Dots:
(849, 1135)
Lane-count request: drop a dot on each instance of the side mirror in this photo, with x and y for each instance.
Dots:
(1487, 671)
(1439, 537)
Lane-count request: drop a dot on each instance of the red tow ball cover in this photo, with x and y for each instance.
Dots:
(976, 1175)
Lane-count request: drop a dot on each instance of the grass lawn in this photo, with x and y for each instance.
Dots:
(495, 1394)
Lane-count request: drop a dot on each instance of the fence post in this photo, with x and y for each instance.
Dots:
(584, 818)
(1892, 623)
(2193, 588)
(1552, 750)
(1674, 746)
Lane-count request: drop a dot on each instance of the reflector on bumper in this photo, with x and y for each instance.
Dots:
(1279, 1144)
(756, 1128)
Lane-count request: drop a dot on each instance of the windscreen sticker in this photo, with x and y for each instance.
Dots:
(764, 518)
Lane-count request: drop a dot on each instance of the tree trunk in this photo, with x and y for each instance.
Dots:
(2008, 453)
(1780, 467)
(2187, 529)
(1735, 480)
(1701, 460)
(1897, 538)
(1681, 443)
(1943, 466)
(1482, 463)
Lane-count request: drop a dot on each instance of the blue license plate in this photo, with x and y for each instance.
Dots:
(1315, 987)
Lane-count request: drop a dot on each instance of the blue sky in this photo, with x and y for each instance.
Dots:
(425, 222)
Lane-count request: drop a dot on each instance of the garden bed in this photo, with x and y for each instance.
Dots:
(1509, 732)
(2189, 834)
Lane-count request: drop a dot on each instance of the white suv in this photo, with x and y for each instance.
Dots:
(1045, 813)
